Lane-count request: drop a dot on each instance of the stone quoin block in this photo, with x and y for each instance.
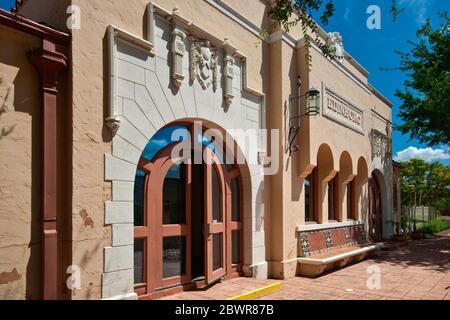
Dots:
(118, 212)
(118, 258)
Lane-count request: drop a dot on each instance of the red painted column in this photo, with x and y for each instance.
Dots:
(49, 64)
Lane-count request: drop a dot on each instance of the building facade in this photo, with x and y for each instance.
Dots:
(102, 196)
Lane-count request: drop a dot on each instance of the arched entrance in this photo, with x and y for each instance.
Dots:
(375, 210)
(188, 214)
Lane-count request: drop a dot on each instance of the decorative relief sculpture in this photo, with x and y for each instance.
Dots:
(203, 63)
(379, 144)
(203, 58)
(178, 50)
(228, 72)
(334, 40)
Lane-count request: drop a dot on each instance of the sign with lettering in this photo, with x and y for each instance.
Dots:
(337, 108)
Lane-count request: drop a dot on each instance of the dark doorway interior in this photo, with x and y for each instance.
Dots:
(197, 191)
(375, 214)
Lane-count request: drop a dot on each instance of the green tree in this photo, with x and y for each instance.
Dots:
(426, 97)
(289, 13)
(425, 184)
(413, 181)
(437, 193)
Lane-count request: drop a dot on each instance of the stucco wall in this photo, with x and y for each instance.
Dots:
(19, 168)
(270, 69)
(351, 84)
(91, 138)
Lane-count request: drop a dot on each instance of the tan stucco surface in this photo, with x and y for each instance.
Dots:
(19, 168)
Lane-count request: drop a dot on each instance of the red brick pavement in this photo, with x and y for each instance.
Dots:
(419, 271)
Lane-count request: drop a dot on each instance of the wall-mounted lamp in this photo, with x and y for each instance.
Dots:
(312, 108)
(312, 102)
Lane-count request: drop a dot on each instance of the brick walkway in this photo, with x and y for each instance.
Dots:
(420, 270)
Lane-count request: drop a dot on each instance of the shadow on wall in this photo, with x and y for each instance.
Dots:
(5, 131)
(296, 182)
(84, 265)
(365, 208)
(259, 217)
(106, 131)
(24, 101)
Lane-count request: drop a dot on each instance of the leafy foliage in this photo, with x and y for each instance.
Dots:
(426, 98)
(395, 10)
(435, 226)
(288, 13)
(425, 184)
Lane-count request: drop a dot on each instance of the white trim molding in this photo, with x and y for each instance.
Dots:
(319, 262)
(115, 34)
(380, 117)
(314, 227)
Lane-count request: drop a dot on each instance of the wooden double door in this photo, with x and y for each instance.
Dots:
(192, 229)
(375, 211)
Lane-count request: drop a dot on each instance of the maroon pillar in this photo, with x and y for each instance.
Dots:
(49, 64)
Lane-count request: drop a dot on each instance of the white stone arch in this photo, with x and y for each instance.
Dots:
(145, 100)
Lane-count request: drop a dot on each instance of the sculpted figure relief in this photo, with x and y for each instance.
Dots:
(203, 63)
(379, 144)
(335, 41)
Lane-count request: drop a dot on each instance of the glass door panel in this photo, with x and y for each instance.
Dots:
(214, 221)
(174, 256)
(174, 195)
(175, 216)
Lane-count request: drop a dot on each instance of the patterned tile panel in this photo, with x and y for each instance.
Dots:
(338, 236)
(320, 241)
(328, 239)
(304, 244)
(317, 241)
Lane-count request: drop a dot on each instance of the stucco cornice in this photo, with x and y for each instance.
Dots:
(380, 96)
(380, 117)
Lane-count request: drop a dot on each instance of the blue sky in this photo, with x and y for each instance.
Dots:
(7, 4)
(374, 49)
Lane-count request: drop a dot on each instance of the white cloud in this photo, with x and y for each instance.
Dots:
(419, 7)
(426, 154)
(347, 13)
